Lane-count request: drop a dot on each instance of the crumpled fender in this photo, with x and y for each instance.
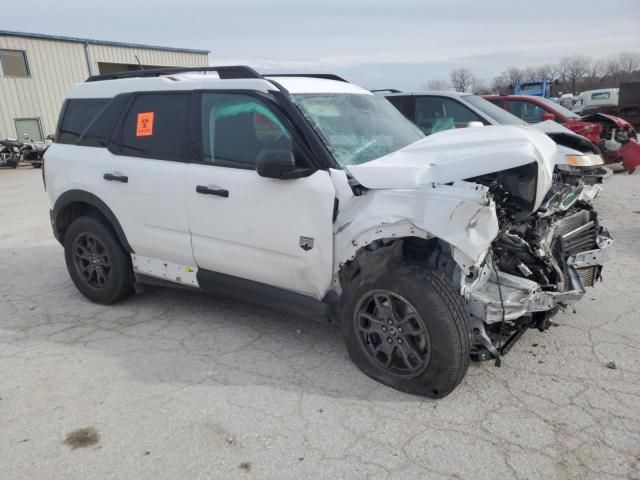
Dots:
(460, 214)
(611, 119)
(630, 154)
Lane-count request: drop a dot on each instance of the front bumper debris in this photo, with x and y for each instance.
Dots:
(522, 297)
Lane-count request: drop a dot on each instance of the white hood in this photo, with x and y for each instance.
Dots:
(460, 154)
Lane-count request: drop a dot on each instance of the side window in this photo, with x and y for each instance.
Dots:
(13, 63)
(435, 114)
(405, 104)
(527, 111)
(236, 127)
(98, 131)
(155, 126)
(77, 115)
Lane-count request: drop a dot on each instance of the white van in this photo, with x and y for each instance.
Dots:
(593, 100)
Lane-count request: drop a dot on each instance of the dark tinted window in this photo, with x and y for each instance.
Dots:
(527, 111)
(78, 114)
(155, 126)
(235, 128)
(404, 104)
(99, 130)
(435, 114)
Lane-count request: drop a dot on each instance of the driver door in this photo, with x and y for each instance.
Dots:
(272, 231)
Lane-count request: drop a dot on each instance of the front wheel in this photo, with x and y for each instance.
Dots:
(408, 328)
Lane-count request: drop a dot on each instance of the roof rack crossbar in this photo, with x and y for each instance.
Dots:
(326, 76)
(224, 72)
(390, 90)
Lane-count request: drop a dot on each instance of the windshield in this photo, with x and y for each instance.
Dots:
(501, 116)
(559, 108)
(357, 128)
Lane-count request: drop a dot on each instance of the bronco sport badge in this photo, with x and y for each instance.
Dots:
(306, 243)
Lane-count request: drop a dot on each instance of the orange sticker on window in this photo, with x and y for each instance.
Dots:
(144, 127)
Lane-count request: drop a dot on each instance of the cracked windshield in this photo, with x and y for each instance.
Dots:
(357, 128)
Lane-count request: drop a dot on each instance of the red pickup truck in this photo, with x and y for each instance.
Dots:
(616, 137)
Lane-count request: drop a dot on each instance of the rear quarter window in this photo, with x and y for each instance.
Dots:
(76, 116)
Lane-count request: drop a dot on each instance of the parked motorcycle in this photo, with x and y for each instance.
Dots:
(32, 152)
(10, 155)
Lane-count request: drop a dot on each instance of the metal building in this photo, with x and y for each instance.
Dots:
(36, 71)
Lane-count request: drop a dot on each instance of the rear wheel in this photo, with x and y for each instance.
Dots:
(408, 329)
(97, 263)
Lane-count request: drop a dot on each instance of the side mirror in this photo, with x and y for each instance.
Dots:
(475, 124)
(25, 136)
(50, 137)
(548, 116)
(279, 163)
(275, 163)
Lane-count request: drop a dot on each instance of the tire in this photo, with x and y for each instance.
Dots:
(36, 165)
(101, 272)
(438, 357)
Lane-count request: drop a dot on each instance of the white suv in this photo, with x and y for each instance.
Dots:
(309, 193)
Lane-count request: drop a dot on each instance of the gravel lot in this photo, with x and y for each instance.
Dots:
(173, 384)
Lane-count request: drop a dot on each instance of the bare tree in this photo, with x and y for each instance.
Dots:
(530, 74)
(629, 62)
(514, 74)
(478, 86)
(461, 79)
(436, 84)
(596, 73)
(574, 68)
(547, 71)
(501, 84)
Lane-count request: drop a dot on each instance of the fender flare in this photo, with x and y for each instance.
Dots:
(82, 196)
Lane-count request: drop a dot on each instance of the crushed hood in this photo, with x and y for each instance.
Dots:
(461, 154)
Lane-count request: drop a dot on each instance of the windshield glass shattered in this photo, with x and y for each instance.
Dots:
(357, 128)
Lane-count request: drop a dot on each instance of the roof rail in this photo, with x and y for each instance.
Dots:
(390, 90)
(326, 76)
(224, 72)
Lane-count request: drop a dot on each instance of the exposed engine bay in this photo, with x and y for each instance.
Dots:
(539, 263)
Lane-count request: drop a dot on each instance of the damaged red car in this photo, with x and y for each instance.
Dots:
(615, 137)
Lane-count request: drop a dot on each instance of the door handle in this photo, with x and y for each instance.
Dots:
(111, 177)
(221, 192)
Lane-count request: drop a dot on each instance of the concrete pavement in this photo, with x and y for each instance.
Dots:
(181, 385)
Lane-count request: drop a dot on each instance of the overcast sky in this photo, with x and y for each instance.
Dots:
(399, 43)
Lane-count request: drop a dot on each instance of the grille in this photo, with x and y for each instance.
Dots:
(587, 275)
(581, 239)
(578, 233)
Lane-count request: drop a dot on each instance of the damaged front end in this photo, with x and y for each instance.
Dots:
(537, 266)
(617, 139)
(522, 246)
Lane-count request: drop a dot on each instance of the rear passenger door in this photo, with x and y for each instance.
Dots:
(142, 176)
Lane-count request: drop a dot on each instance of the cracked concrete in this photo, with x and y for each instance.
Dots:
(182, 385)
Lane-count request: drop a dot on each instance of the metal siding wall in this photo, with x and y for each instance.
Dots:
(55, 66)
(111, 54)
